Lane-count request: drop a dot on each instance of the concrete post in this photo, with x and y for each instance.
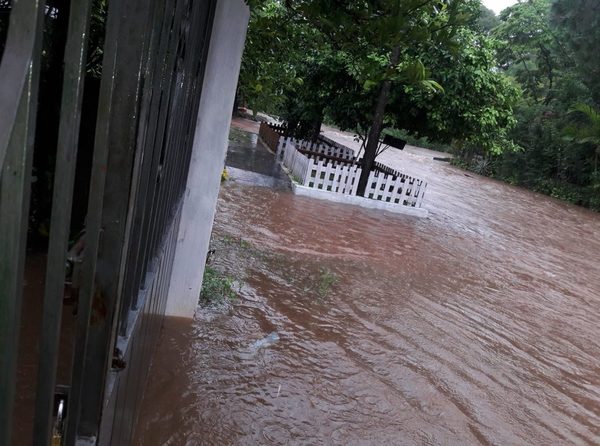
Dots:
(208, 157)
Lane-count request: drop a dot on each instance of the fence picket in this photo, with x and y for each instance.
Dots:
(321, 165)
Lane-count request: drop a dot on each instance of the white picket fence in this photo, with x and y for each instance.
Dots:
(337, 150)
(342, 177)
(295, 161)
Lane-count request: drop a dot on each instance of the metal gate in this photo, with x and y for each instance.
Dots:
(153, 60)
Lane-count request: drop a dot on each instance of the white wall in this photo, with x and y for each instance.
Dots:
(208, 157)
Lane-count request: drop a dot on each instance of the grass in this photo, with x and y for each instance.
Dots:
(326, 280)
(229, 240)
(320, 283)
(216, 286)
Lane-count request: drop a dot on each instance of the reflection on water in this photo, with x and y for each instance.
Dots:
(478, 325)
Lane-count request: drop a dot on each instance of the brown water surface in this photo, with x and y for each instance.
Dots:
(477, 325)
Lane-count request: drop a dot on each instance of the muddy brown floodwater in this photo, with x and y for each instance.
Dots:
(477, 325)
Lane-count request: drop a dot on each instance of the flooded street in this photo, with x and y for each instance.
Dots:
(476, 325)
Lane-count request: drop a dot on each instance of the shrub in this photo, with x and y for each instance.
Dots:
(216, 286)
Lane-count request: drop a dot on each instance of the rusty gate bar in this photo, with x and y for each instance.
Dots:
(64, 178)
(19, 71)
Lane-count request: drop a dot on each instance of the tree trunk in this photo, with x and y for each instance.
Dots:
(376, 127)
(315, 131)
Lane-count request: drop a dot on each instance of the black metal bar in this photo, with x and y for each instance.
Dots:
(156, 174)
(121, 143)
(94, 220)
(150, 166)
(66, 160)
(131, 289)
(19, 51)
(19, 72)
(159, 209)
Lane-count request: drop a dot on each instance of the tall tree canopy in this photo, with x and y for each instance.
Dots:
(578, 22)
(497, 88)
(549, 47)
(356, 62)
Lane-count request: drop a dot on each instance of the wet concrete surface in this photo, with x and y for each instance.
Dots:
(477, 325)
(249, 161)
(246, 152)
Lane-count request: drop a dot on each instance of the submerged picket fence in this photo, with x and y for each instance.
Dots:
(335, 169)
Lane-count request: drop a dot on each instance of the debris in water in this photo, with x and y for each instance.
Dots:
(265, 342)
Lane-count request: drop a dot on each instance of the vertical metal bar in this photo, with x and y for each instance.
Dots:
(108, 279)
(20, 65)
(94, 216)
(148, 175)
(158, 211)
(19, 51)
(143, 153)
(66, 158)
(148, 39)
(148, 248)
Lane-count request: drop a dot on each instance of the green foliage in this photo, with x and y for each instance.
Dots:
(476, 108)
(487, 19)
(327, 279)
(224, 175)
(96, 38)
(444, 86)
(272, 56)
(578, 22)
(216, 287)
(528, 47)
(499, 89)
(538, 48)
(586, 130)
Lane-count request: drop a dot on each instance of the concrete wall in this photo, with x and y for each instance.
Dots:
(208, 158)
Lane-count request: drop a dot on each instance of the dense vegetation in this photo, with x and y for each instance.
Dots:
(551, 49)
(56, 20)
(514, 96)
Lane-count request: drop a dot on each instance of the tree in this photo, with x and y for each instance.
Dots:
(385, 30)
(276, 44)
(487, 19)
(538, 49)
(579, 22)
(531, 50)
(476, 108)
(586, 130)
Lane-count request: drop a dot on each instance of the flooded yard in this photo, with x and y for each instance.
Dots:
(476, 325)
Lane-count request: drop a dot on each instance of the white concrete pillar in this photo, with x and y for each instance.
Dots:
(208, 156)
